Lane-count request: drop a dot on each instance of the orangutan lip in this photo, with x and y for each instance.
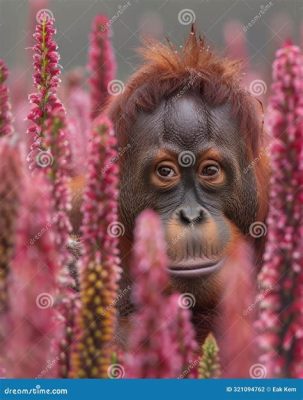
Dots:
(192, 268)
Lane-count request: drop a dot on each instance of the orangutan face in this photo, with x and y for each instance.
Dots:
(186, 162)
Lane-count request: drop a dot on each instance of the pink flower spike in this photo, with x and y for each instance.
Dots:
(100, 271)
(50, 149)
(102, 66)
(33, 285)
(46, 81)
(50, 155)
(101, 194)
(281, 309)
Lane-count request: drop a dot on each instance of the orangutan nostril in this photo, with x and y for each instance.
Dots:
(190, 215)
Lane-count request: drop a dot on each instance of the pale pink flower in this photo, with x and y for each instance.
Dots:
(33, 285)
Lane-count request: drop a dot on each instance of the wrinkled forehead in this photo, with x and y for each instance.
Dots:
(186, 122)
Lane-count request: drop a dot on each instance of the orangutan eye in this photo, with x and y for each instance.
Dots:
(210, 170)
(165, 171)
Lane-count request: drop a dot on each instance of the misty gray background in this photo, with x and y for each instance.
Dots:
(158, 18)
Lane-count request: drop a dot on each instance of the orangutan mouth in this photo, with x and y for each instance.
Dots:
(195, 267)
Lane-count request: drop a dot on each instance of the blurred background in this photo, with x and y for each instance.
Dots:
(244, 28)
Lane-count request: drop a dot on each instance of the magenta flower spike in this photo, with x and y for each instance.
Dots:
(50, 155)
(33, 286)
(280, 320)
(100, 271)
(36, 9)
(5, 107)
(102, 66)
(153, 347)
(50, 148)
(46, 81)
(101, 193)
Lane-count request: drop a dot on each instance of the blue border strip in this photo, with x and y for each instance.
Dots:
(151, 389)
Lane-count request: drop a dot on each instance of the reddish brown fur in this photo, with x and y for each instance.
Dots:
(167, 71)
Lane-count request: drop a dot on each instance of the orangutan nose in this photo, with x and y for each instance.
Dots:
(191, 215)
